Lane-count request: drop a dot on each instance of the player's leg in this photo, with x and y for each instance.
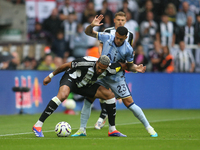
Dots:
(102, 117)
(50, 108)
(137, 111)
(121, 90)
(103, 93)
(110, 107)
(86, 109)
(85, 115)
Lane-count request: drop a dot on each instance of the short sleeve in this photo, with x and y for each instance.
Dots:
(129, 55)
(75, 62)
(103, 36)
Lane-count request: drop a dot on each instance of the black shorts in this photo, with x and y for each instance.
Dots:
(84, 91)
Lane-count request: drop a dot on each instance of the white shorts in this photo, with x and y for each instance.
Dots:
(120, 88)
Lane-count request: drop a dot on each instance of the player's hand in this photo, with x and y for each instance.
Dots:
(140, 68)
(46, 80)
(97, 20)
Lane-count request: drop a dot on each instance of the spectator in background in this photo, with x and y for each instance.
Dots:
(59, 45)
(167, 63)
(147, 8)
(93, 51)
(125, 8)
(53, 23)
(148, 30)
(197, 29)
(133, 6)
(66, 10)
(106, 12)
(155, 56)
(184, 60)
(15, 62)
(4, 65)
(80, 42)
(89, 11)
(187, 33)
(166, 32)
(107, 23)
(70, 31)
(181, 17)
(139, 57)
(132, 25)
(26, 64)
(34, 63)
(5, 58)
(39, 34)
(47, 63)
(58, 61)
(171, 13)
(194, 5)
(90, 40)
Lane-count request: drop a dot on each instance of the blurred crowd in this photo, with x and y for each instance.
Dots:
(166, 32)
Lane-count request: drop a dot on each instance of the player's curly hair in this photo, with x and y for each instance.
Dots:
(104, 60)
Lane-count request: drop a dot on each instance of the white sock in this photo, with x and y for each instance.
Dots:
(39, 123)
(112, 128)
(82, 128)
(100, 120)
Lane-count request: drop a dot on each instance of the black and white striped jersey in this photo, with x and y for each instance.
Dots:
(166, 33)
(183, 60)
(83, 71)
(130, 36)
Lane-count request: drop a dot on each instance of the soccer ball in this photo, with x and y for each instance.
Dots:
(63, 129)
(70, 104)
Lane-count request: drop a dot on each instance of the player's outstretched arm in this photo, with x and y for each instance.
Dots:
(96, 22)
(60, 69)
(133, 67)
(136, 68)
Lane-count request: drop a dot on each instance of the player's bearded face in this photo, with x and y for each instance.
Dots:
(100, 68)
(119, 39)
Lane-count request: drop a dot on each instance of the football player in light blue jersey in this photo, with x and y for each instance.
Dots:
(114, 51)
(118, 50)
(119, 20)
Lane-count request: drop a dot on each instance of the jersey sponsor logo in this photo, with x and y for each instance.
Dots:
(118, 69)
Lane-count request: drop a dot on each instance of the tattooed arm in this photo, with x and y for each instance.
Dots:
(96, 22)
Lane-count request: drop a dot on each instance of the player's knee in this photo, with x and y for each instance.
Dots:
(109, 95)
(127, 101)
(62, 96)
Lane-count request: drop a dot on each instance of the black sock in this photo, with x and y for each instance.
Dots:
(103, 113)
(111, 111)
(51, 107)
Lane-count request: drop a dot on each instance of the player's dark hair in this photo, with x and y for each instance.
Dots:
(104, 60)
(122, 30)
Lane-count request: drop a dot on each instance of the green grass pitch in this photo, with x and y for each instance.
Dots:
(177, 130)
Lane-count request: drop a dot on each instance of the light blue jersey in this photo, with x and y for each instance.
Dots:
(124, 53)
